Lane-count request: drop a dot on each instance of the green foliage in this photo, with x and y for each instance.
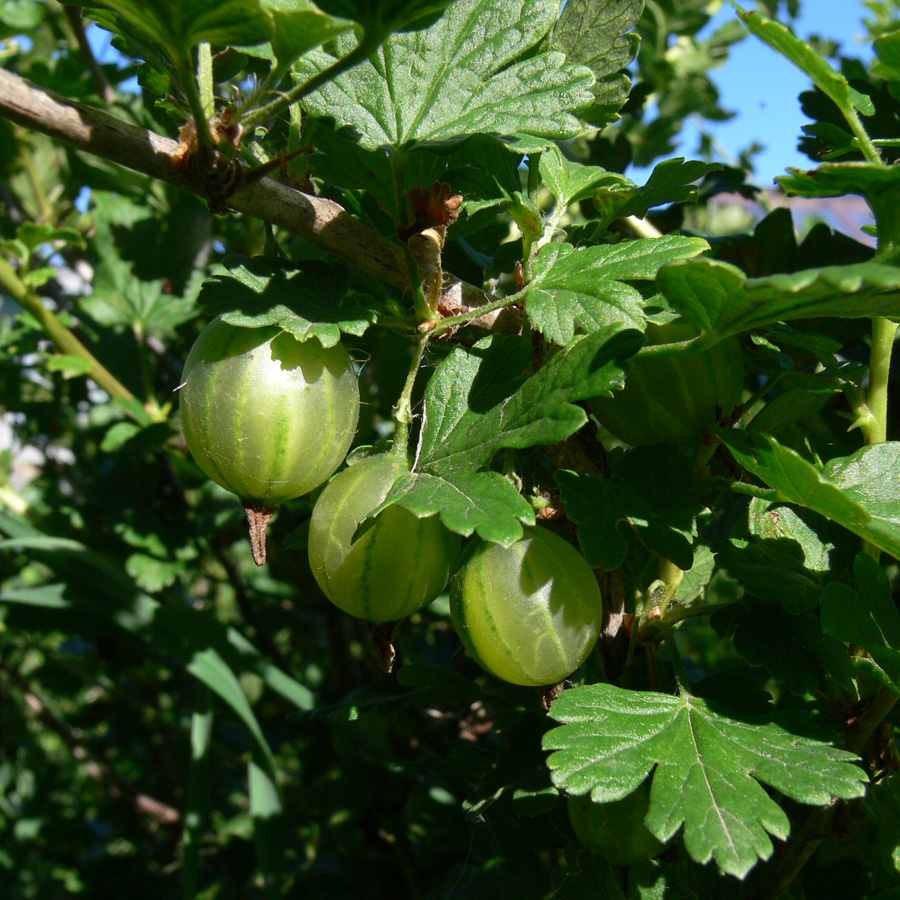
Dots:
(649, 497)
(707, 762)
(464, 428)
(463, 75)
(588, 288)
(855, 491)
(174, 27)
(180, 723)
(297, 26)
(865, 615)
(306, 301)
(723, 301)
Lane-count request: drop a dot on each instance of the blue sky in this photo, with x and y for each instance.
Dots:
(762, 87)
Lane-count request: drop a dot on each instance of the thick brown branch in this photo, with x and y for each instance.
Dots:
(320, 221)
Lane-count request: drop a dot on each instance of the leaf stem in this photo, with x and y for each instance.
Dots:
(681, 675)
(690, 612)
(534, 176)
(643, 228)
(402, 414)
(868, 149)
(551, 224)
(670, 578)
(367, 45)
(205, 78)
(424, 313)
(672, 348)
(739, 487)
(464, 318)
(62, 337)
(188, 81)
(873, 419)
(146, 375)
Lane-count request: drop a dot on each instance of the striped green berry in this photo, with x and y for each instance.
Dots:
(530, 613)
(674, 399)
(266, 416)
(396, 564)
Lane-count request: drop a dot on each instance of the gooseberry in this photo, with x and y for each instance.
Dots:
(392, 566)
(266, 416)
(530, 613)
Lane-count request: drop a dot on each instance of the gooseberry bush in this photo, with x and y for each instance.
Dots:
(582, 507)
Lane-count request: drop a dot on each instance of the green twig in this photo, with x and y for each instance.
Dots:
(367, 45)
(62, 337)
(403, 410)
(883, 333)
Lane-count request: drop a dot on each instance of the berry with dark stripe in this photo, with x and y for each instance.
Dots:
(675, 398)
(391, 567)
(266, 416)
(530, 613)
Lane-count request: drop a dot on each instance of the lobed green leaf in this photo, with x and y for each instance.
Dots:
(861, 492)
(865, 615)
(708, 765)
(585, 289)
(541, 411)
(175, 26)
(647, 493)
(467, 502)
(723, 301)
(671, 181)
(593, 33)
(297, 27)
(791, 647)
(470, 72)
(305, 300)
